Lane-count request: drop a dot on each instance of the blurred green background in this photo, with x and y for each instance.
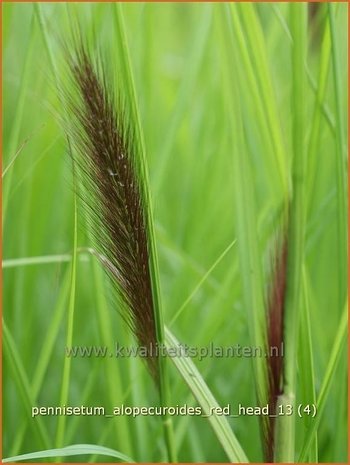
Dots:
(178, 61)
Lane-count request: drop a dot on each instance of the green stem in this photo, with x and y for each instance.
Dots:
(159, 324)
(246, 216)
(69, 337)
(285, 425)
(340, 165)
(306, 364)
(262, 74)
(314, 141)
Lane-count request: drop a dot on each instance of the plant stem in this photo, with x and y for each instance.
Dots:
(306, 361)
(285, 425)
(69, 336)
(163, 377)
(314, 140)
(340, 166)
(246, 219)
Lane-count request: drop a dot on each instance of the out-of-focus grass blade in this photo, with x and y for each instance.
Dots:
(315, 133)
(45, 36)
(310, 78)
(195, 57)
(206, 400)
(112, 370)
(18, 116)
(41, 260)
(83, 255)
(69, 336)
(285, 425)
(21, 380)
(45, 355)
(306, 364)
(14, 158)
(257, 48)
(341, 187)
(256, 90)
(77, 449)
(338, 346)
(201, 281)
(246, 220)
(340, 162)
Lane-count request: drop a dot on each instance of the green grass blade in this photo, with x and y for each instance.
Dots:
(69, 451)
(339, 343)
(326, 112)
(285, 426)
(206, 400)
(315, 133)
(45, 355)
(201, 282)
(246, 220)
(112, 372)
(15, 156)
(69, 335)
(40, 260)
(83, 254)
(21, 380)
(195, 58)
(17, 119)
(306, 364)
(45, 35)
(340, 163)
(51, 336)
(130, 85)
(256, 45)
(255, 97)
(178, 254)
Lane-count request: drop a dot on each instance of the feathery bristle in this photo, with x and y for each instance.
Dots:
(276, 301)
(106, 151)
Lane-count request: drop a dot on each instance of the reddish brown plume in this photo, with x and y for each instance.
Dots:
(106, 154)
(276, 301)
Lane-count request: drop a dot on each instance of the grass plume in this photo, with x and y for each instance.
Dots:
(107, 155)
(275, 333)
(106, 151)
